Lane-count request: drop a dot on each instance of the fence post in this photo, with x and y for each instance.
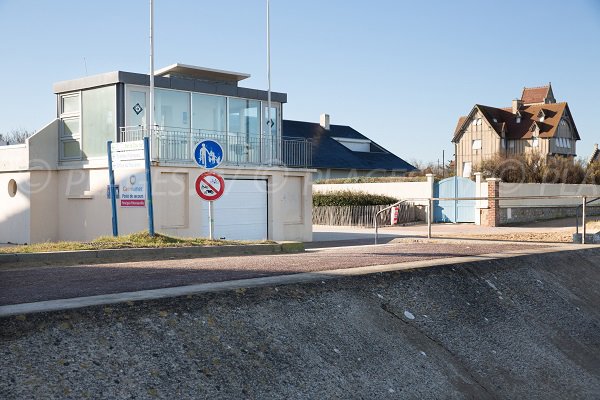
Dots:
(429, 204)
(493, 218)
(583, 220)
(478, 176)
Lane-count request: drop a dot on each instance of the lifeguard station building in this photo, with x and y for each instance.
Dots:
(54, 187)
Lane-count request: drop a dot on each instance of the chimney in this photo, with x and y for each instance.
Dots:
(325, 121)
(516, 105)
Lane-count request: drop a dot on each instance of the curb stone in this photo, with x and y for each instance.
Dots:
(143, 254)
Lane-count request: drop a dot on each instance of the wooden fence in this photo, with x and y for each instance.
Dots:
(362, 215)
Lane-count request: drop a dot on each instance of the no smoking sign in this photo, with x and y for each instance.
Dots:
(210, 186)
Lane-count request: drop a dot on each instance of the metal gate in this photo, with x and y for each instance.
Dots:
(454, 210)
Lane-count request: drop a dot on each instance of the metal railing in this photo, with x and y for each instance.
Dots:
(430, 200)
(582, 207)
(176, 145)
(382, 210)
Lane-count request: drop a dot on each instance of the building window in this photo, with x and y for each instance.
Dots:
(172, 109)
(466, 170)
(70, 126)
(98, 120)
(244, 116)
(518, 120)
(209, 113)
(534, 142)
(476, 144)
(70, 104)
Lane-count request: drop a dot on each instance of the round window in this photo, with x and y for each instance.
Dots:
(12, 188)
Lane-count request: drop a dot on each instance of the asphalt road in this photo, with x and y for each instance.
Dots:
(26, 285)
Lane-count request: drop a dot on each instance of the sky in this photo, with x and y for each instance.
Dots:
(400, 72)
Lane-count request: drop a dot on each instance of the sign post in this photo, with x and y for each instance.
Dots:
(113, 200)
(208, 154)
(149, 186)
(136, 190)
(210, 186)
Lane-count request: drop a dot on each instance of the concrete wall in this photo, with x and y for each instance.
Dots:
(14, 158)
(71, 204)
(43, 147)
(399, 190)
(15, 213)
(545, 189)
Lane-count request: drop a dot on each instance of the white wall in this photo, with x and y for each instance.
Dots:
(15, 214)
(14, 158)
(399, 190)
(71, 204)
(545, 189)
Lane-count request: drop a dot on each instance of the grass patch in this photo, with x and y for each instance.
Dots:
(134, 240)
(372, 179)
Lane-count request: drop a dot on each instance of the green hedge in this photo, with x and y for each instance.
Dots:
(348, 198)
(371, 179)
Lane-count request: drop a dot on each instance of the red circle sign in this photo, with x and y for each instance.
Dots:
(210, 186)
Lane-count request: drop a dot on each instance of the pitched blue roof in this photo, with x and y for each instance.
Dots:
(329, 153)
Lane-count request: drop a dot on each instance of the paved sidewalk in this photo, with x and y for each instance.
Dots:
(326, 235)
(26, 285)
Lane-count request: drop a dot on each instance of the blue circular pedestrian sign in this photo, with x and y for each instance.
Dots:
(208, 154)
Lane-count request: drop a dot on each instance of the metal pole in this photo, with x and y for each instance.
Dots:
(443, 164)
(151, 111)
(113, 200)
(211, 221)
(149, 186)
(376, 228)
(269, 127)
(583, 220)
(430, 201)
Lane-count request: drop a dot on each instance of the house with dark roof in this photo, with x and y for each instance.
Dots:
(339, 151)
(535, 123)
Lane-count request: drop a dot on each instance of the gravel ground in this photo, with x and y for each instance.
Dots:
(25, 285)
(521, 328)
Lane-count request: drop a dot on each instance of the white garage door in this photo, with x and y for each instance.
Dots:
(241, 213)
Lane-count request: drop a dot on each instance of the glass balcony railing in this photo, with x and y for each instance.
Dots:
(176, 145)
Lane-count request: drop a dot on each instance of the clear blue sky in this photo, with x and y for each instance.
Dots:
(400, 72)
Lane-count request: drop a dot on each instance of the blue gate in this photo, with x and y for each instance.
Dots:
(454, 210)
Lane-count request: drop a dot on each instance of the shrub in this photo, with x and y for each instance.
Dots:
(349, 198)
(592, 173)
(533, 168)
(372, 179)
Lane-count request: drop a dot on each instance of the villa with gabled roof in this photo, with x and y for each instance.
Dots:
(535, 123)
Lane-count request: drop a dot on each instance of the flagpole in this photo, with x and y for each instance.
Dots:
(151, 111)
(269, 125)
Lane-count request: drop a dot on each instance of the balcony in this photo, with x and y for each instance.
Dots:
(176, 146)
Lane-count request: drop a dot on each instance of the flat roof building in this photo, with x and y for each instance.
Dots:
(60, 173)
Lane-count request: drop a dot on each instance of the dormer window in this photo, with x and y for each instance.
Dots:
(518, 117)
(495, 120)
(541, 115)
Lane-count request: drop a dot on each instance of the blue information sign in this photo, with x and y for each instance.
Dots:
(208, 154)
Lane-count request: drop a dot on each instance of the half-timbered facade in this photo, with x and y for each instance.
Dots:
(536, 123)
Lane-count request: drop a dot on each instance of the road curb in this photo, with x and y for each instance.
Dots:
(143, 254)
